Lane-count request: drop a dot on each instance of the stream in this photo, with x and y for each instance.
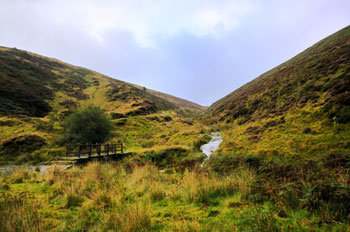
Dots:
(12, 167)
(213, 144)
(207, 149)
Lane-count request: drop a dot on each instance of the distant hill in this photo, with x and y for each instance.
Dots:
(270, 113)
(33, 85)
(187, 106)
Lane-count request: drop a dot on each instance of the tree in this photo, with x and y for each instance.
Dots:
(88, 125)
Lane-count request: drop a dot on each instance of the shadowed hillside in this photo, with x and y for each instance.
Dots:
(301, 107)
(319, 76)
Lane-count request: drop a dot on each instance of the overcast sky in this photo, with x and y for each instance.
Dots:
(200, 50)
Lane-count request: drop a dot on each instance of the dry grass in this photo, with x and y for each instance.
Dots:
(116, 197)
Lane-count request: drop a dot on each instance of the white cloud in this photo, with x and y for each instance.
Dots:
(196, 49)
(147, 20)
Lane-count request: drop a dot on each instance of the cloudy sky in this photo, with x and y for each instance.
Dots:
(199, 50)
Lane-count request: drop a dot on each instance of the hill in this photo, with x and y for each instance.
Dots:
(187, 106)
(37, 94)
(291, 126)
(284, 163)
(301, 107)
(31, 84)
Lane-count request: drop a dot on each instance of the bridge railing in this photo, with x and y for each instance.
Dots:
(94, 149)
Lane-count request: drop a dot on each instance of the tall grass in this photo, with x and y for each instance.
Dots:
(131, 197)
(18, 213)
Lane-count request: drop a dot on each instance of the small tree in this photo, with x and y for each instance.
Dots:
(88, 125)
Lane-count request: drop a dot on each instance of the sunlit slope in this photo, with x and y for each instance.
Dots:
(300, 107)
(37, 93)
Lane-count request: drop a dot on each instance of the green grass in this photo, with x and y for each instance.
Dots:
(128, 197)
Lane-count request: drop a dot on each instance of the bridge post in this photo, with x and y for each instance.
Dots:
(107, 148)
(121, 147)
(66, 150)
(79, 150)
(90, 149)
(99, 149)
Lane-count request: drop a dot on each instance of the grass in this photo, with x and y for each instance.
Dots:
(132, 197)
(286, 139)
(284, 163)
(47, 90)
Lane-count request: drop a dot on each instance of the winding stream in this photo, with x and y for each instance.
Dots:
(213, 144)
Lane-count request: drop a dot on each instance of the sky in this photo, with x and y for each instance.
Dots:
(199, 50)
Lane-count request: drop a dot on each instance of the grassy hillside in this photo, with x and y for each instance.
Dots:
(187, 107)
(291, 127)
(300, 107)
(37, 94)
(284, 164)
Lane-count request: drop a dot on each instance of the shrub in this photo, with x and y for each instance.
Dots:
(343, 99)
(341, 114)
(89, 125)
(307, 130)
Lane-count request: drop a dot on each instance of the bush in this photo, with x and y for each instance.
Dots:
(306, 130)
(88, 125)
(342, 115)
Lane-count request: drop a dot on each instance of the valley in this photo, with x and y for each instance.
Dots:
(273, 155)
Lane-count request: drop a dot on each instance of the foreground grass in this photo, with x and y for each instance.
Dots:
(114, 197)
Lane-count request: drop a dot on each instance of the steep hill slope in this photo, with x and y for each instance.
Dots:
(37, 93)
(31, 84)
(300, 107)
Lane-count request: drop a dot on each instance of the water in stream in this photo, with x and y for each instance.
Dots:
(213, 144)
(13, 167)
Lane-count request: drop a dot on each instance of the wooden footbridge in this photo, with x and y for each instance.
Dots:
(82, 153)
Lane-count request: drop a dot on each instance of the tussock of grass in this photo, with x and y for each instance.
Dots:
(19, 213)
(130, 197)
